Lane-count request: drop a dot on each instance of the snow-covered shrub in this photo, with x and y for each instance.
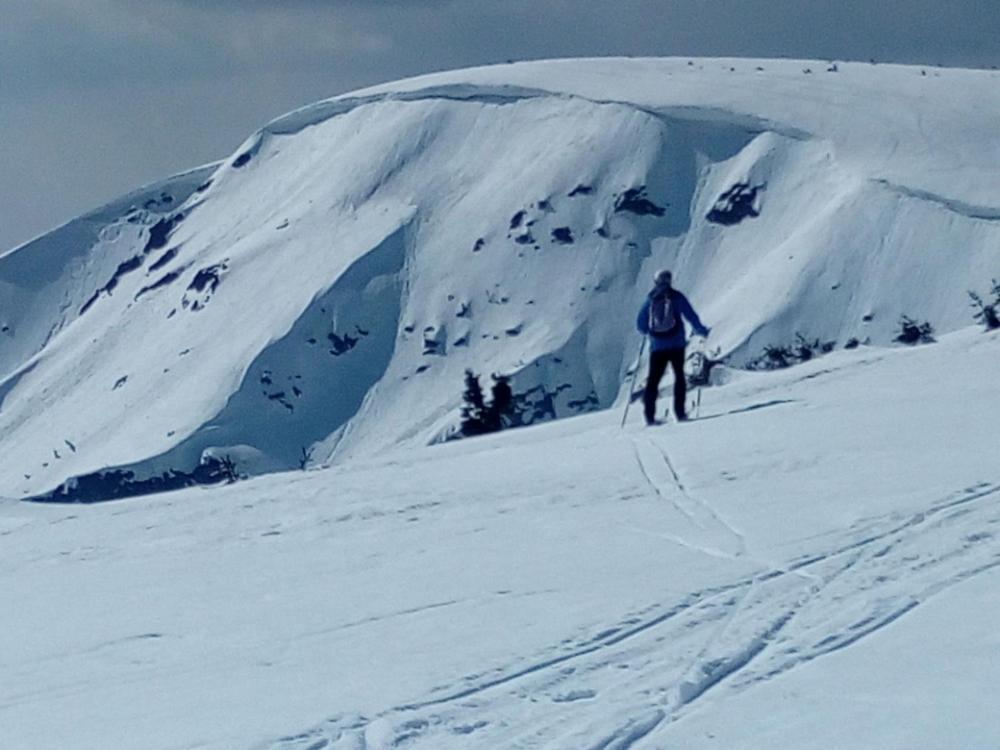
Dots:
(779, 357)
(988, 313)
(117, 483)
(772, 358)
(911, 332)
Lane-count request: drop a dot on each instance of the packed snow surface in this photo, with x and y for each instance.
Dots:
(812, 563)
(319, 295)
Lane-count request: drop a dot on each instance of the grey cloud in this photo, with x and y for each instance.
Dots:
(320, 4)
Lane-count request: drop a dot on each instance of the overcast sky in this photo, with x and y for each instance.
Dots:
(98, 97)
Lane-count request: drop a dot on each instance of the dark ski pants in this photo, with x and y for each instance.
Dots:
(658, 362)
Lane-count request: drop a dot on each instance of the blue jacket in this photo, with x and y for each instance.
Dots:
(676, 340)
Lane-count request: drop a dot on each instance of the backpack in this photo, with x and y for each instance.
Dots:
(663, 318)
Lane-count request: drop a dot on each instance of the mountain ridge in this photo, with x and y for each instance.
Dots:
(814, 202)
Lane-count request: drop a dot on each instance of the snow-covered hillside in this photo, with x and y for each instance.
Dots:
(813, 564)
(322, 291)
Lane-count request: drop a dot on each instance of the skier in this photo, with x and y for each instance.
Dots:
(660, 319)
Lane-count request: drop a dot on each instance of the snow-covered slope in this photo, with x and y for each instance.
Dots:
(812, 564)
(322, 291)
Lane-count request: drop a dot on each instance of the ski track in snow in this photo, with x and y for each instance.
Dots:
(645, 672)
(710, 518)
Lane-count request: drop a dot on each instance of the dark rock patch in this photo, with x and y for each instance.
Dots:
(590, 403)
(207, 278)
(524, 239)
(203, 286)
(480, 244)
(581, 190)
(516, 219)
(124, 268)
(279, 397)
(161, 282)
(165, 199)
(242, 160)
(341, 344)
(159, 233)
(165, 258)
(562, 235)
(735, 205)
(635, 201)
(89, 303)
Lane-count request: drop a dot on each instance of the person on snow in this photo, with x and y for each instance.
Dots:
(660, 319)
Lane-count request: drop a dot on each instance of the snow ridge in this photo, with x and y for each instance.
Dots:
(524, 209)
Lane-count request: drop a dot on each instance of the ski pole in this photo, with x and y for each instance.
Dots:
(631, 385)
(704, 362)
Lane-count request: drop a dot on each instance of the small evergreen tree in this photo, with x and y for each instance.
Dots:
(988, 314)
(479, 417)
(773, 358)
(474, 411)
(307, 454)
(501, 408)
(911, 332)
